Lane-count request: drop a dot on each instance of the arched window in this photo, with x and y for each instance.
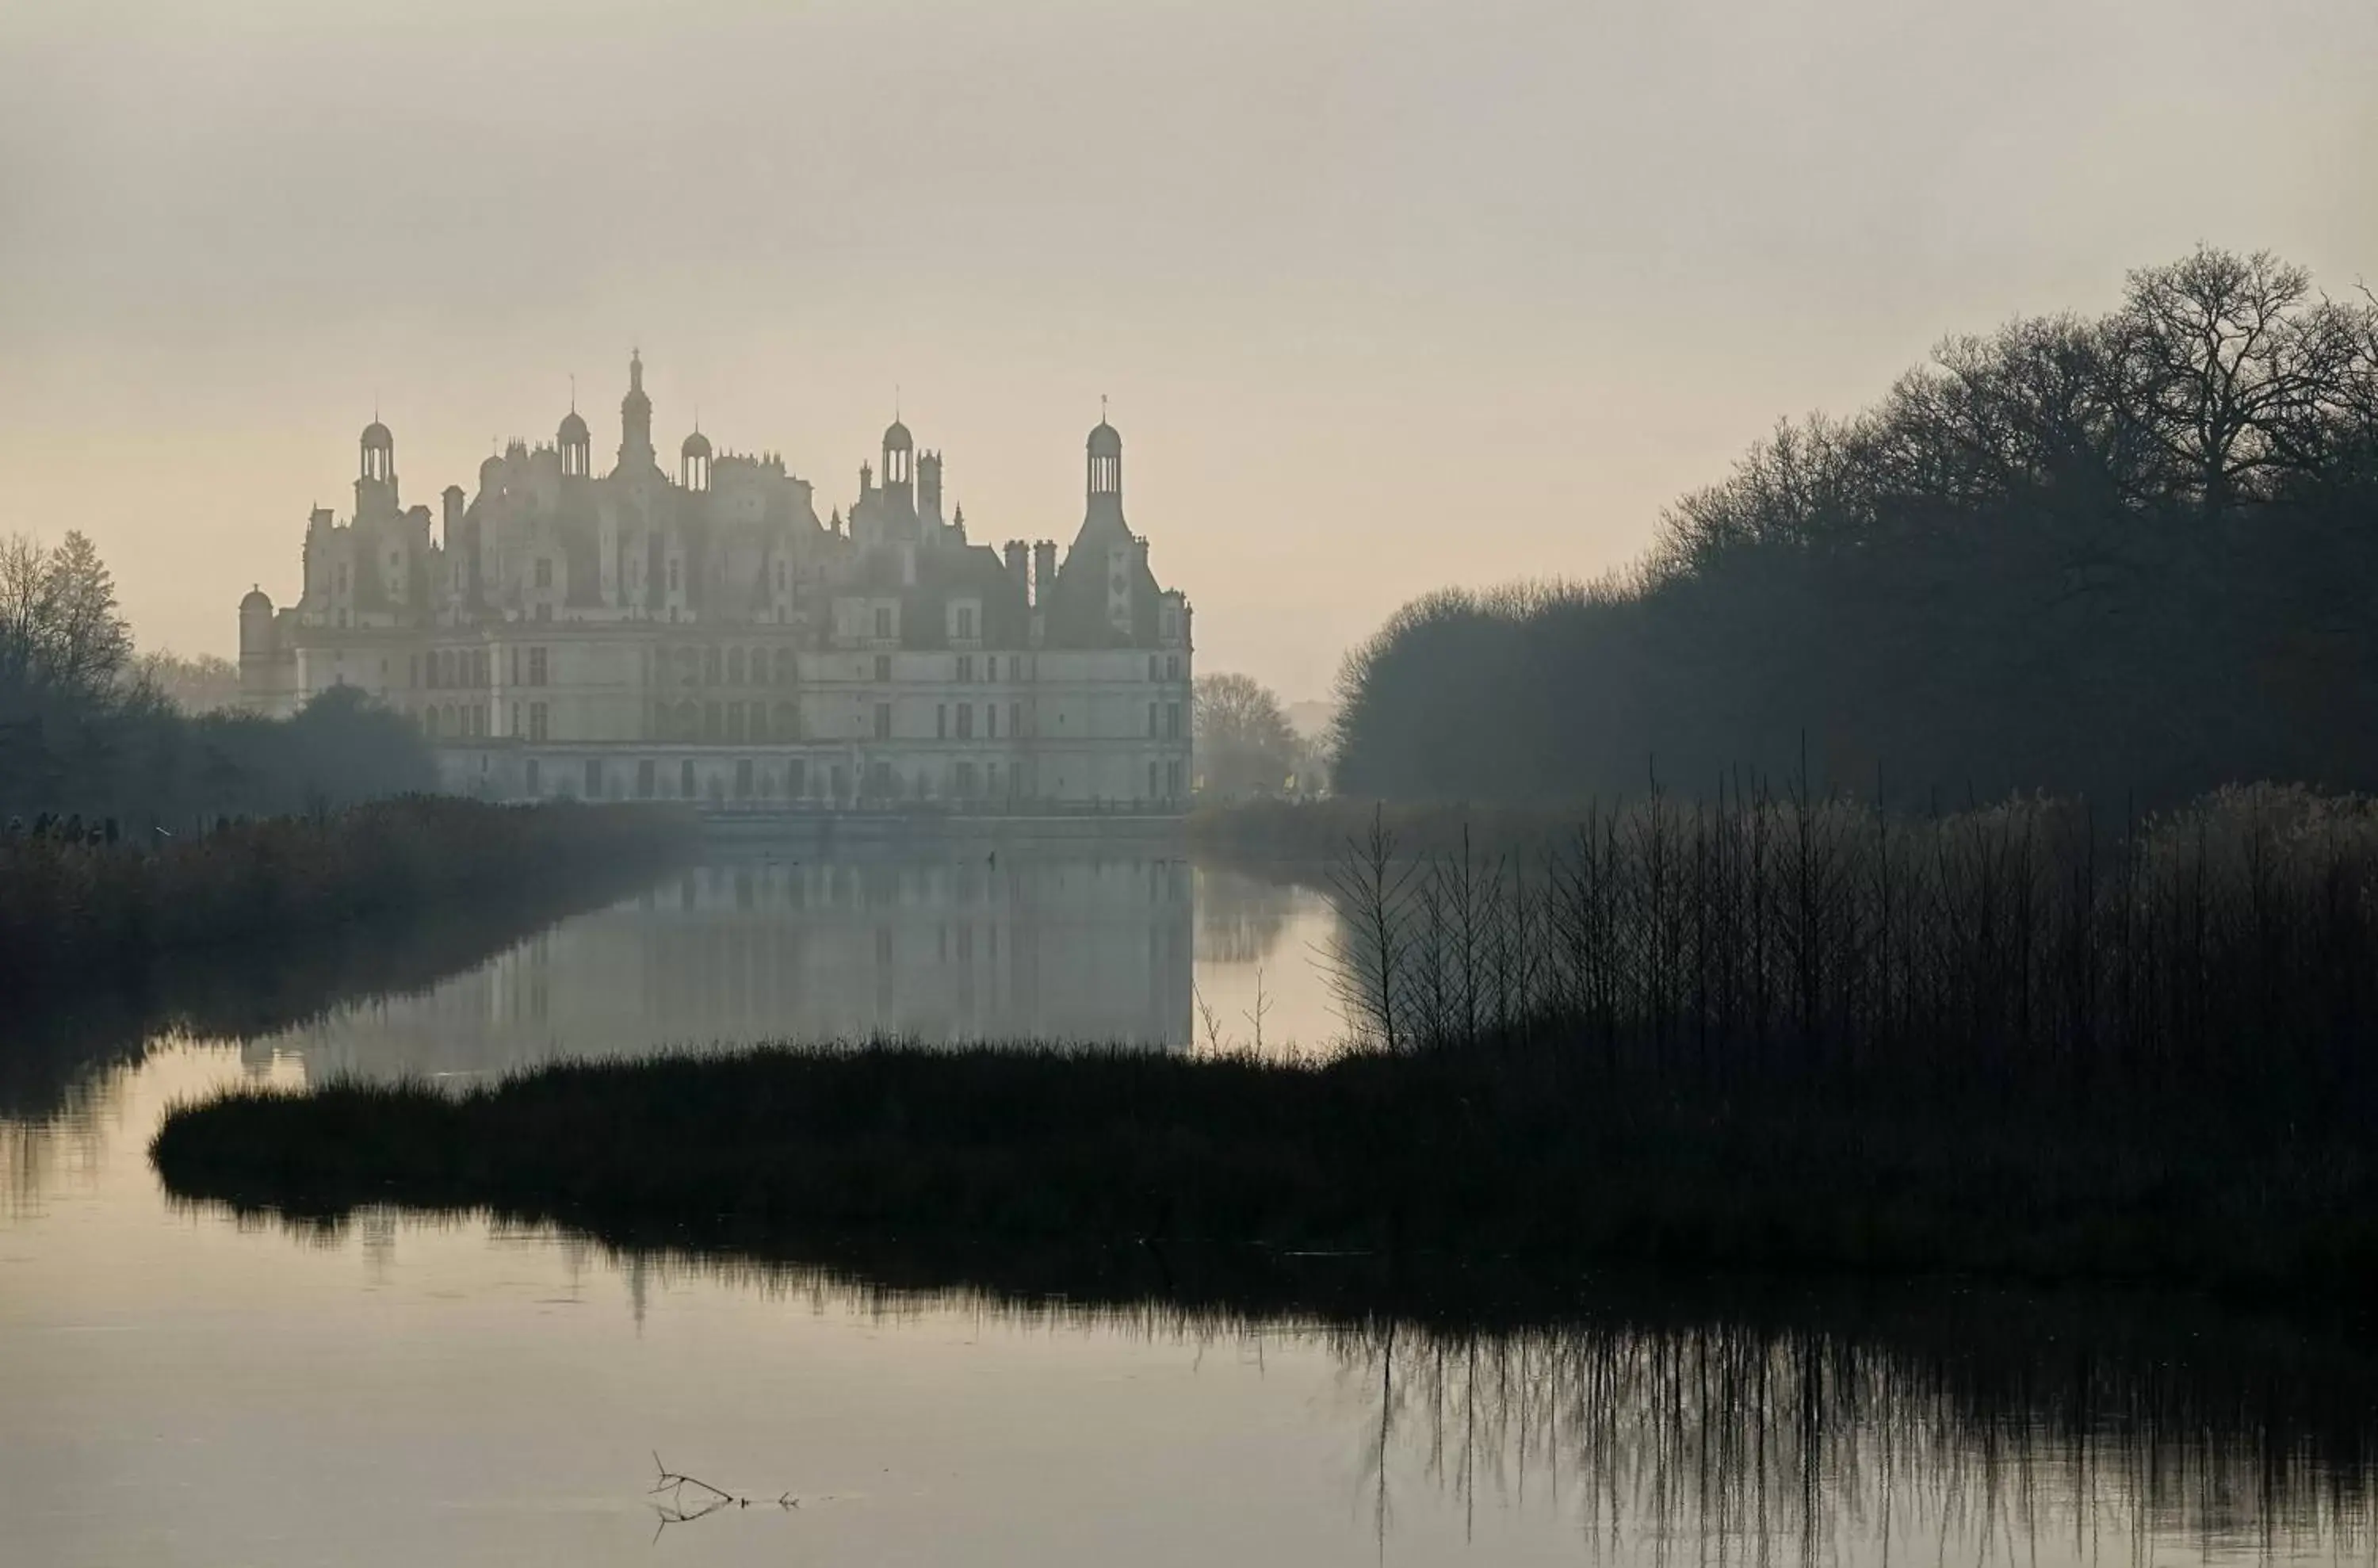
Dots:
(783, 667)
(734, 666)
(784, 728)
(685, 778)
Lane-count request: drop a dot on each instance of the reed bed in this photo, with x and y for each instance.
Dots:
(2220, 959)
(85, 917)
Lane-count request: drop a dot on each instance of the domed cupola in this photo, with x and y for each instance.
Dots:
(899, 457)
(378, 453)
(694, 458)
(576, 443)
(1105, 448)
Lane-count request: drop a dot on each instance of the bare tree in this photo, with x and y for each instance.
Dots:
(1243, 742)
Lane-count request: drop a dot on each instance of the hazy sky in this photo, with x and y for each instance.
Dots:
(1387, 295)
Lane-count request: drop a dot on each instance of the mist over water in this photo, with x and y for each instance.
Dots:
(408, 1387)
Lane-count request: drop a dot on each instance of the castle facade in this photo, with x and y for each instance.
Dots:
(703, 637)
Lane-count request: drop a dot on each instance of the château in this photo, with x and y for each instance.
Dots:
(634, 636)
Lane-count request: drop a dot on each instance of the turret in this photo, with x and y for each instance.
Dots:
(255, 625)
(1105, 448)
(899, 482)
(256, 647)
(376, 474)
(576, 445)
(928, 485)
(693, 461)
(635, 420)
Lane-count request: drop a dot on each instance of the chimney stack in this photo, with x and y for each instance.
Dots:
(1019, 567)
(1044, 570)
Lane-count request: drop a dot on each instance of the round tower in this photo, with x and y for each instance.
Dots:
(255, 649)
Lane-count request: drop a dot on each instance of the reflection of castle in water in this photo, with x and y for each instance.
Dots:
(938, 945)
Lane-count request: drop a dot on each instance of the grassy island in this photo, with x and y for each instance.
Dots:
(1503, 1152)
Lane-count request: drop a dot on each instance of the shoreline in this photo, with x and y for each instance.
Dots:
(264, 924)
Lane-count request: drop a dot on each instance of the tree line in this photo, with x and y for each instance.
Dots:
(2129, 555)
(89, 733)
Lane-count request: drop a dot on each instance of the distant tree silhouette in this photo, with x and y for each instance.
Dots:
(2128, 556)
(197, 684)
(1243, 743)
(84, 729)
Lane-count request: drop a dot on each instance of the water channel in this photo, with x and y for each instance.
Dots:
(181, 1385)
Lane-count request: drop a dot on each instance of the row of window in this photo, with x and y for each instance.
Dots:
(716, 666)
(734, 722)
(461, 721)
(449, 668)
(468, 721)
(751, 779)
(964, 715)
(455, 667)
(728, 721)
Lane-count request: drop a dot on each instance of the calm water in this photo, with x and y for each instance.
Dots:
(177, 1386)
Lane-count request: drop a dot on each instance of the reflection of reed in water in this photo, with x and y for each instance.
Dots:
(2052, 1437)
(1240, 918)
(1852, 1425)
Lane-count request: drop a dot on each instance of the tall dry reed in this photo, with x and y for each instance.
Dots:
(2229, 948)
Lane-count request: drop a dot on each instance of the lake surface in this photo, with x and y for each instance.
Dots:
(179, 1385)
